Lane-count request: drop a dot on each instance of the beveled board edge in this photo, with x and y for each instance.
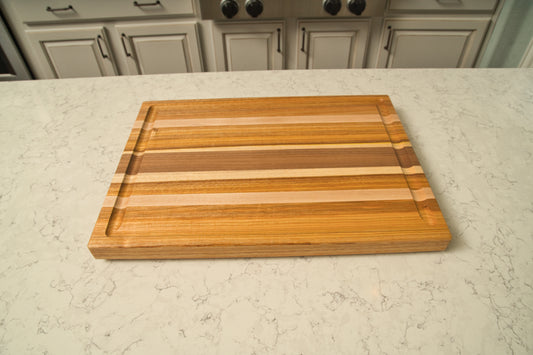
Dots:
(104, 247)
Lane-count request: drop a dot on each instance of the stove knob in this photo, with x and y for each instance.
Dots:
(332, 7)
(229, 8)
(254, 7)
(357, 6)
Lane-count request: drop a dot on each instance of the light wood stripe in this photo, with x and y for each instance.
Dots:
(248, 198)
(242, 121)
(146, 125)
(423, 194)
(360, 182)
(401, 145)
(259, 174)
(413, 170)
(391, 118)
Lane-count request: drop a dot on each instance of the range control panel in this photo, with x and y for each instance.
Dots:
(276, 9)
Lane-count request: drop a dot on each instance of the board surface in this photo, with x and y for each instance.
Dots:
(257, 177)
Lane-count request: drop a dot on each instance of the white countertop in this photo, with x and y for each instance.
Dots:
(61, 142)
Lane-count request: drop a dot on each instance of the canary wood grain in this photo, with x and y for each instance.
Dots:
(268, 177)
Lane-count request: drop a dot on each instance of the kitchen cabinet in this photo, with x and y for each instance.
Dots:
(431, 42)
(159, 48)
(71, 52)
(332, 44)
(67, 51)
(80, 38)
(97, 38)
(261, 46)
(249, 46)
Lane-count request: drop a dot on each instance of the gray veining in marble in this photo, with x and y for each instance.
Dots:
(61, 141)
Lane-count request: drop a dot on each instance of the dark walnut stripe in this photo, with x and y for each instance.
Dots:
(265, 160)
(270, 185)
(407, 157)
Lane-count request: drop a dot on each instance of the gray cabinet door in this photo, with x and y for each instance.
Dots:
(431, 43)
(160, 48)
(71, 52)
(249, 46)
(332, 44)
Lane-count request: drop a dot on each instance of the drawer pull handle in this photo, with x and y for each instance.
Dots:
(387, 46)
(98, 39)
(303, 40)
(60, 9)
(449, 2)
(279, 40)
(157, 3)
(124, 38)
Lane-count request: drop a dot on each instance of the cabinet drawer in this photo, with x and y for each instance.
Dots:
(442, 5)
(67, 10)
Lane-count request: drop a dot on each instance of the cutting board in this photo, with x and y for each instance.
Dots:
(260, 177)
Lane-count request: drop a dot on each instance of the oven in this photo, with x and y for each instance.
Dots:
(276, 9)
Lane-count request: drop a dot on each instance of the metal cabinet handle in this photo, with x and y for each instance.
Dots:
(387, 46)
(449, 2)
(98, 38)
(60, 9)
(124, 38)
(279, 40)
(303, 40)
(157, 3)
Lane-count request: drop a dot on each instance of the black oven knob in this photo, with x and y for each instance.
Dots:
(254, 7)
(229, 8)
(332, 7)
(356, 6)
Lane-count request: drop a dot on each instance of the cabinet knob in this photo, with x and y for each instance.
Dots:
(332, 7)
(357, 6)
(229, 8)
(254, 7)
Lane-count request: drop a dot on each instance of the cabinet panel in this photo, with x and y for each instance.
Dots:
(332, 44)
(160, 48)
(249, 46)
(162, 54)
(431, 43)
(248, 52)
(68, 52)
(428, 49)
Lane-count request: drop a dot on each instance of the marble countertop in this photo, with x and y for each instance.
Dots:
(61, 141)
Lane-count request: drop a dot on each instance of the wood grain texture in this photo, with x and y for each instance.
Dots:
(268, 177)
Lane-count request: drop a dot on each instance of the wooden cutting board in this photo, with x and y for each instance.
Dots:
(261, 177)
